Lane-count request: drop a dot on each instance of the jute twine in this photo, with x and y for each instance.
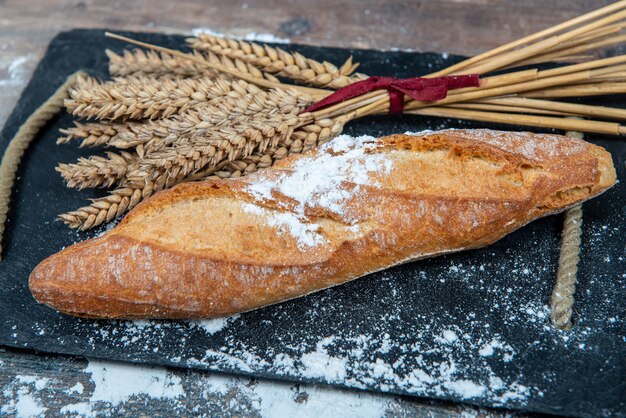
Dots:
(20, 142)
(563, 293)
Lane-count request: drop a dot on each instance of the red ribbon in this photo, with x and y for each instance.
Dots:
(422, 89)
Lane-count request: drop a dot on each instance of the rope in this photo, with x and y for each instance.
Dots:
(20, 142)
(563, 292)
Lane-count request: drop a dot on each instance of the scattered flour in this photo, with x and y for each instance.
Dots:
(318, 402)
(117, 382)
(211, 326)
(449, 336)
(352, 369)
(16, 71)
(77, 388)
(119, 388)
(21, 397)
(306, 233)
(108, 226)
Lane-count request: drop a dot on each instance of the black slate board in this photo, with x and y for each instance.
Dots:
(469, 327)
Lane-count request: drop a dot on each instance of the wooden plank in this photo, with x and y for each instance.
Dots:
(53, 384)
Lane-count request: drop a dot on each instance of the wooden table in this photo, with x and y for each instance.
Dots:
(48, 383)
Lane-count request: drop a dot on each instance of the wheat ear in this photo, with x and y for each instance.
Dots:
(144, 97)
(91, 134)
(97, 171)
(271, 60)
(140, 63)
(243, 101)
(104, 209)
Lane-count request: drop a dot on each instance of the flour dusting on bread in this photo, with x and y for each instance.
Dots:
(316, 180)
(528, 144)
(306, 233)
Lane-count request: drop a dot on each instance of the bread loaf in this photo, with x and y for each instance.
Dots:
(349, 208)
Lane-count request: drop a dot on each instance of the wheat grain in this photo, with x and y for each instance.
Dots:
(97, 171)
(92, 134)
(271, 60)
(149, 98)
(104, 209)
(137, 63)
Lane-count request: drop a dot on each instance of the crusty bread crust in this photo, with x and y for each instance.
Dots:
(316, 220)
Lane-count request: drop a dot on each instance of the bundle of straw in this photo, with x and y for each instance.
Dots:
(226, 110)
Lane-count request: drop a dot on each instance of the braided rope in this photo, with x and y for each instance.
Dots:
(20, 142)
(563, 293)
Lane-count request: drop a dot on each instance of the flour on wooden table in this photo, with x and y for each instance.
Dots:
(16, 71)
(20, 397)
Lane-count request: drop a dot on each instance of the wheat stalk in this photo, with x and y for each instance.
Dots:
(140, 63)
(143, 97)
(91, 134)
(271, 60)
(97, 171)
(243, 101)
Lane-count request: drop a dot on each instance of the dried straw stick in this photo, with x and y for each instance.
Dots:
(608, 128)
(602, 112)
(580, 90)
(608, 10)
(565, 54)
(540, 47)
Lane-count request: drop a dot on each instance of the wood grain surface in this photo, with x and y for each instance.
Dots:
(455, 26)
(58, 385)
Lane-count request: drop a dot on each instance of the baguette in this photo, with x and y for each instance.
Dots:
(316, 220)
